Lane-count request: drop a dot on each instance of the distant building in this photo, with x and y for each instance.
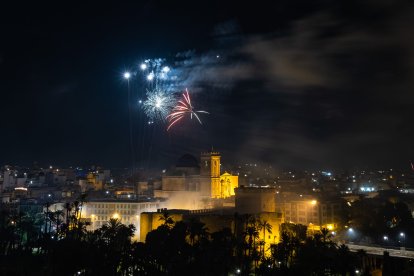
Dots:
(9, 179)
(309, 210)
(215, 220)
(190, 185)
(99, 212)
(254, 200)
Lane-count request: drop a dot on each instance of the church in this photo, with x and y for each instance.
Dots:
(192, 185)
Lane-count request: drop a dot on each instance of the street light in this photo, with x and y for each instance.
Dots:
(402, 240)
(385, 238)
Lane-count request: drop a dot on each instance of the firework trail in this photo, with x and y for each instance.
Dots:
(183, 108)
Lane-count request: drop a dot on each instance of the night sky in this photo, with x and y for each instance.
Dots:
(299, 84)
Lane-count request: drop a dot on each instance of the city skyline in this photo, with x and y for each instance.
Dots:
(295, 85)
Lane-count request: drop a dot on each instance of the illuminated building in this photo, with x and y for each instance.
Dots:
(228, 184)
(214, 220)
(98, 213)
(252, 200)
(210, 171)
(309, 211)
(190, 184)
(95, 180)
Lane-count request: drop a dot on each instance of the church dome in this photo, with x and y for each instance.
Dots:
(187, 161)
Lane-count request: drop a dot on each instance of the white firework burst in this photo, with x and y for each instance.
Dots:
(158, 104)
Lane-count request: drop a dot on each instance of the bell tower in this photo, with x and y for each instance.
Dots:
(210, 167)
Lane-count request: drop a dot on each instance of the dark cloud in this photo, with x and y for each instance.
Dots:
(335, 90)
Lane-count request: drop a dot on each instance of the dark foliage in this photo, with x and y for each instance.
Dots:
(57, 244)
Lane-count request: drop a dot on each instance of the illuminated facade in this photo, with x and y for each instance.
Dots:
(190, 184)
(98, 213)
(252, 200)
(228, 183)
(210, 168)
(216, 221)
(309, 211)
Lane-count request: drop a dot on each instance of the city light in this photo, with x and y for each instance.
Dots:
(367, 189)
(127, 75)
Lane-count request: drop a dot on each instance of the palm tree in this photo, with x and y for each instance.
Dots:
(116, 238)
(57, 218)
(110, 229)
(166, 219)
(197, 230)
(266, 227)
(325, 235)
(68, 208)
(253, 234)
(47, 205)
(75, 215)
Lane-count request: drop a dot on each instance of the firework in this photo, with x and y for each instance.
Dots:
(183, 108)
(158, 104)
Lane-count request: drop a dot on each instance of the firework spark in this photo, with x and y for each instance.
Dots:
(183, 108)
(158, 104)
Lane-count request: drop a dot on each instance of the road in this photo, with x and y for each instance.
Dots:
(373, 250)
